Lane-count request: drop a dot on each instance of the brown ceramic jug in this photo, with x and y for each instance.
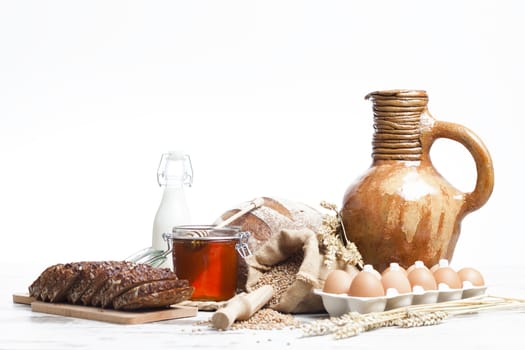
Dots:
(402, 210)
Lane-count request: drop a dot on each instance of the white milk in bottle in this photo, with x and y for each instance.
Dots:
(174, 174)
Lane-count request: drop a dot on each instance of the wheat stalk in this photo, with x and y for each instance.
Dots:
(353, 323)
(333, 242)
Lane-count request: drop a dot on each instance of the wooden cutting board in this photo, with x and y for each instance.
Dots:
(106, 315)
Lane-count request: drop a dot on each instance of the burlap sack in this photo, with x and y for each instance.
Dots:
(294, 294)
(274, 215)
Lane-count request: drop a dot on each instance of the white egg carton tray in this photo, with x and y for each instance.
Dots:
(340, 304)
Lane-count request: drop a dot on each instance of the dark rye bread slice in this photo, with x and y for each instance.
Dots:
(127, 279)
(136, 294)
(54, 282)
(132, 300)
(67, 276)
(35, 289)
(89, 270)
(102, 275)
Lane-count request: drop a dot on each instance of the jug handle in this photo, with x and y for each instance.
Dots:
(484, 166)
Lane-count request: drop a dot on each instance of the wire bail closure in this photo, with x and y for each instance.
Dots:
(242, 246)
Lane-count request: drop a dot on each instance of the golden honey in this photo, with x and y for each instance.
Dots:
(210, 266)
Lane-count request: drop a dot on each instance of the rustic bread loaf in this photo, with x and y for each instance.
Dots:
(117, 284)
(273, 216)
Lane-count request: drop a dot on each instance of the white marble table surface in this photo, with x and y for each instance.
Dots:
(23, 329)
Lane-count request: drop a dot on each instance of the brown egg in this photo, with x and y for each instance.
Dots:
(448, 276)
(423, 277)
(394, 277)
(366, 284)
(396, 280)
(469, 274)
(337, 282)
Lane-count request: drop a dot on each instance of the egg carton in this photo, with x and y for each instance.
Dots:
(340, 304)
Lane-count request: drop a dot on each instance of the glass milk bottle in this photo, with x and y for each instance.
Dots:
(174, 174)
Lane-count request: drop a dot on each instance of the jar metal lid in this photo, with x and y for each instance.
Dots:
(210, 233)
(204, 232)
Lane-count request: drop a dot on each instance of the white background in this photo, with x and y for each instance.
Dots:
(267, 97)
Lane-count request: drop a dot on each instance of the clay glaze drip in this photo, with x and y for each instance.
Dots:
(397, 123)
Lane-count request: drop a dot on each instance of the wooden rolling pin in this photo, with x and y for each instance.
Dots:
(242, 307)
